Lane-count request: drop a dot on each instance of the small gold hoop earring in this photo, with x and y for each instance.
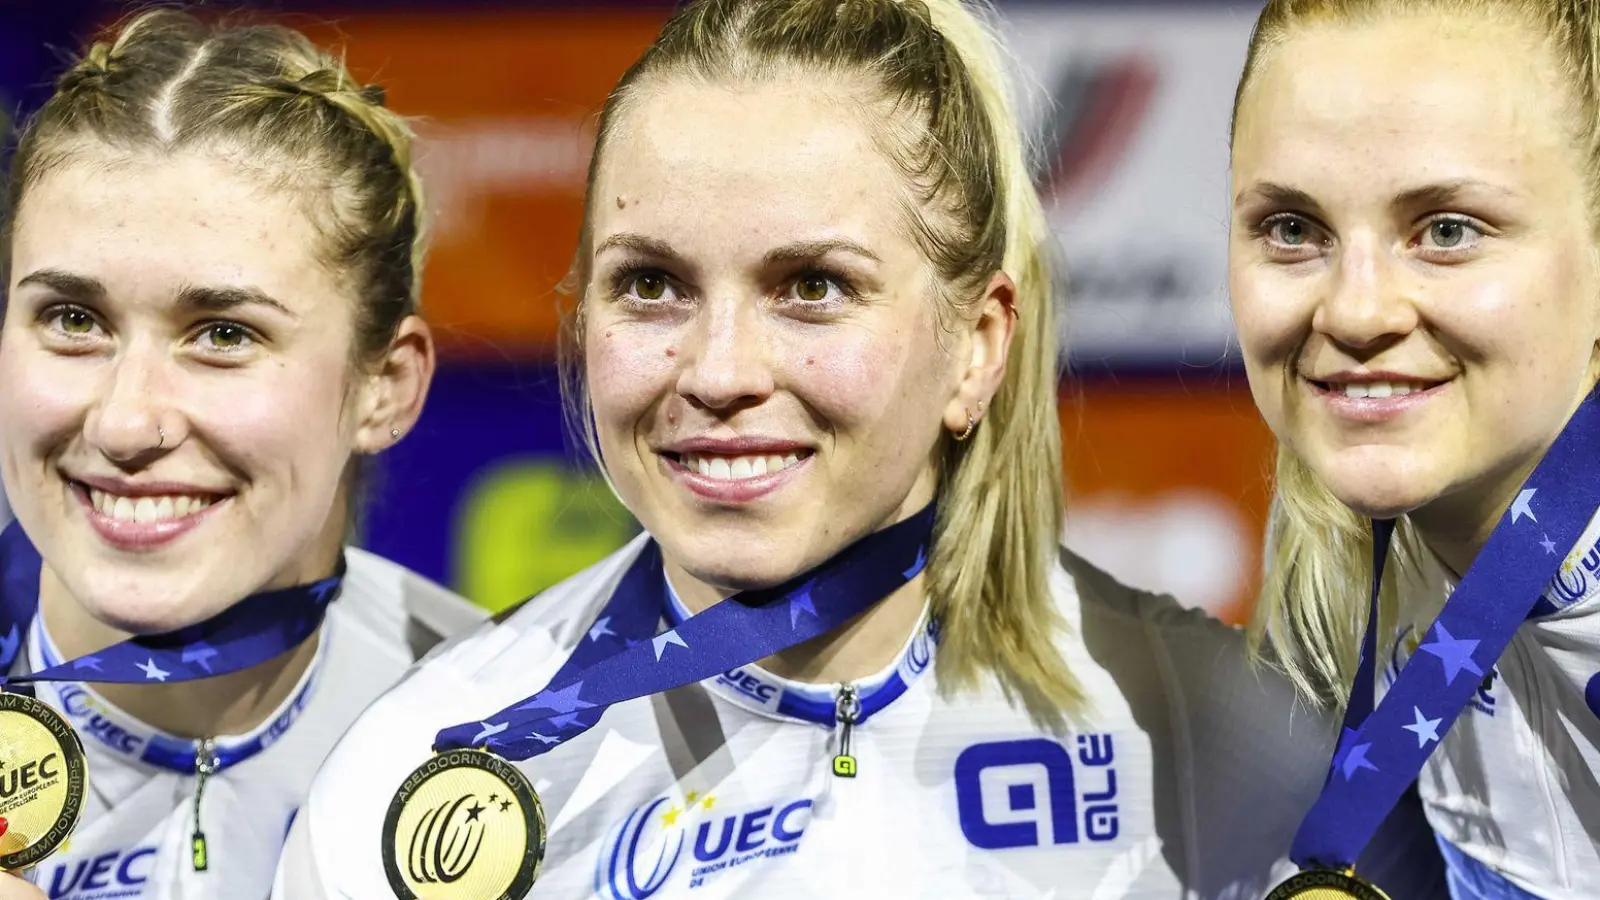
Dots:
(971, 424)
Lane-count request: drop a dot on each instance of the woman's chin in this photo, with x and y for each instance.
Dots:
(142, 613)
(1376, 501)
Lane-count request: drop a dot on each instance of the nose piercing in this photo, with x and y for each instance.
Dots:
(394, 433)
(161, 433)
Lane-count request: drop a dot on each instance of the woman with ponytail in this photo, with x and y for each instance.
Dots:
(1415, 276)
(814, 349)
(211, 258)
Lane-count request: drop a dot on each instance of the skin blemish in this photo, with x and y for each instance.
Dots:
(621, 203)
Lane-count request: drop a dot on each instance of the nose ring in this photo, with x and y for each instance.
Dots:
(161, 433)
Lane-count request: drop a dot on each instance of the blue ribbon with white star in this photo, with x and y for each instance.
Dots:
(1382, 750)
(622, 657)
(252, 631)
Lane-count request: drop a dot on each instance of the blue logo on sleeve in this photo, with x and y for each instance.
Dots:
(1030, 793)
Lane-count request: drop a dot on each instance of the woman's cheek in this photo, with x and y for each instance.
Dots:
(629, 368)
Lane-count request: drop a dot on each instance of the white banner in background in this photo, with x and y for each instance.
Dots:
(1131, 107)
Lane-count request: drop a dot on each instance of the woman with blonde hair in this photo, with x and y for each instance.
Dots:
(1415, 275)
(211, 254)
(816, 356)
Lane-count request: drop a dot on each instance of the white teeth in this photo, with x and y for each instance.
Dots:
(736, 468)
(145, 509)
(1379, 390)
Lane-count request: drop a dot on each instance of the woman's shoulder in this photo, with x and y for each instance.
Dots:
(400, 607)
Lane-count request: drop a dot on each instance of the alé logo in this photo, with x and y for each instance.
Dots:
(693, 838)
(1033, 792)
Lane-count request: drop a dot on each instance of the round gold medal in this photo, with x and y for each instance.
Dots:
(42, 780)
(465, 825)
(1326, 884)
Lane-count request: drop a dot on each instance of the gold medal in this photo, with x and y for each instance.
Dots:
(42, 780)
(1327, 884)
(465, 825)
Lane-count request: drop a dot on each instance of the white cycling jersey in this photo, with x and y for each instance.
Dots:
(134, 840)
(1186, 779)
(1515, 784)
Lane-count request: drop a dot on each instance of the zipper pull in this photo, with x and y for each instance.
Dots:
(205, 765)
(847, 709)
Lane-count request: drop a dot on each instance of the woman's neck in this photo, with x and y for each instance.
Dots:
(856, 650)
(236, 703)
(1456, 527)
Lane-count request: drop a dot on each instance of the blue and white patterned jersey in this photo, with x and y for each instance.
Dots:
(1185, 780)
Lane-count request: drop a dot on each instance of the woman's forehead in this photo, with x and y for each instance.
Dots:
(764, 160)
(1415, 103)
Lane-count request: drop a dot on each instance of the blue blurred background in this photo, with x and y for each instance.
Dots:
(1128, 102)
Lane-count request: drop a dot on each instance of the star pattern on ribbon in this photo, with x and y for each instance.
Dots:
(563, 701)
(1424, 728)
(564, 722)
(87, 662)
(9, 645)
(153, 672)
(322, 589)
(199, 653)
(489, 730)
(1548, 545)
(602, 628)
(1523, 506)
(801, 603)
(918, 566)
(1356, 760)
(665, 639)
(1454, 654)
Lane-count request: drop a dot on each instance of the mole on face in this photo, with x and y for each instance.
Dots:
(621, 203)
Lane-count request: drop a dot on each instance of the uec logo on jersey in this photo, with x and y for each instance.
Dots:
(640, 856)
(114, 874)
(999, 787)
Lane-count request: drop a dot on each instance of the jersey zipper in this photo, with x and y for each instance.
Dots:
(846, 711)
(205, 765)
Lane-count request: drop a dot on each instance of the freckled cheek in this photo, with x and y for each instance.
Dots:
(850, 378)
(629, 370)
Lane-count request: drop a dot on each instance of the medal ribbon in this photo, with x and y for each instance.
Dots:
(250, 632)
(622, 658)
(818, 703)
(1382, 750)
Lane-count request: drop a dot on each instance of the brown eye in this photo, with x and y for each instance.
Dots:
(812, 288)
(650, 287)
(227, 336)
(76, 321)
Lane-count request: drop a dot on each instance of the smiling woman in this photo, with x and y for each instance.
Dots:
(814, 349)
(1416, 284)
(211, 255)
